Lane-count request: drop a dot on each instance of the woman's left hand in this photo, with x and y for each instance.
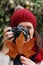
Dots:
(26, 61)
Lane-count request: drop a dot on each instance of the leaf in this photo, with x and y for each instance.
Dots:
(21, 47)
(10, 45)
(12, 54)
(29, 44)
(20, 42)
(27, 48)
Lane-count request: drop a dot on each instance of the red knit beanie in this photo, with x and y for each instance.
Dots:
(22, 15)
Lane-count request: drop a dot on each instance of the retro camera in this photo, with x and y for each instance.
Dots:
(18, 29)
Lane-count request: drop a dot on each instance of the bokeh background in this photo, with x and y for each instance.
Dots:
(7, 7)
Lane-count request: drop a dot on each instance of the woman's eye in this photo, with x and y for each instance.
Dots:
(29, 27)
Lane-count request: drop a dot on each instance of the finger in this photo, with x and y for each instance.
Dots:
(8, 33)
(26, 63)
(6, 29)
(23, 58)
(12, 39)
(31, 62)
(8, 37)
(23, 64)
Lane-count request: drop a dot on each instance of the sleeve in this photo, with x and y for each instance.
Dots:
(39, 56)
(4, 59)
(11, 62)
(41, 63)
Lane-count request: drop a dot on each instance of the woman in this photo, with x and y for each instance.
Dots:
(26, 19)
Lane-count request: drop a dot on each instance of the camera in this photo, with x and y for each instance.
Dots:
(18, 29)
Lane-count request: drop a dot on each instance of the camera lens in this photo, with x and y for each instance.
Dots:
(17, 30)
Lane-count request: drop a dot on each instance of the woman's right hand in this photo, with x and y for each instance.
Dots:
(8, 34)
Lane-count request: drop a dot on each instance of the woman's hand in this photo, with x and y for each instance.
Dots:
(8, 34)
(26, 61)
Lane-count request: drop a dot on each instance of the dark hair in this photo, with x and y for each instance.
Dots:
(38, 40)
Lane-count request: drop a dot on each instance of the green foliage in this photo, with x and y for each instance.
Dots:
(38, 11)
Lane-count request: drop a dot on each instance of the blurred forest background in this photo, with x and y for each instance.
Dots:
(7, 7)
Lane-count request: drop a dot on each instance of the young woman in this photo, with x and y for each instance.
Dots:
(26, 19)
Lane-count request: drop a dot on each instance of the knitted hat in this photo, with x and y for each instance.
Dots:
(22, 15)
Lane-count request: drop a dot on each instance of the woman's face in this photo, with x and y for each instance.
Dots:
(30, 27)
